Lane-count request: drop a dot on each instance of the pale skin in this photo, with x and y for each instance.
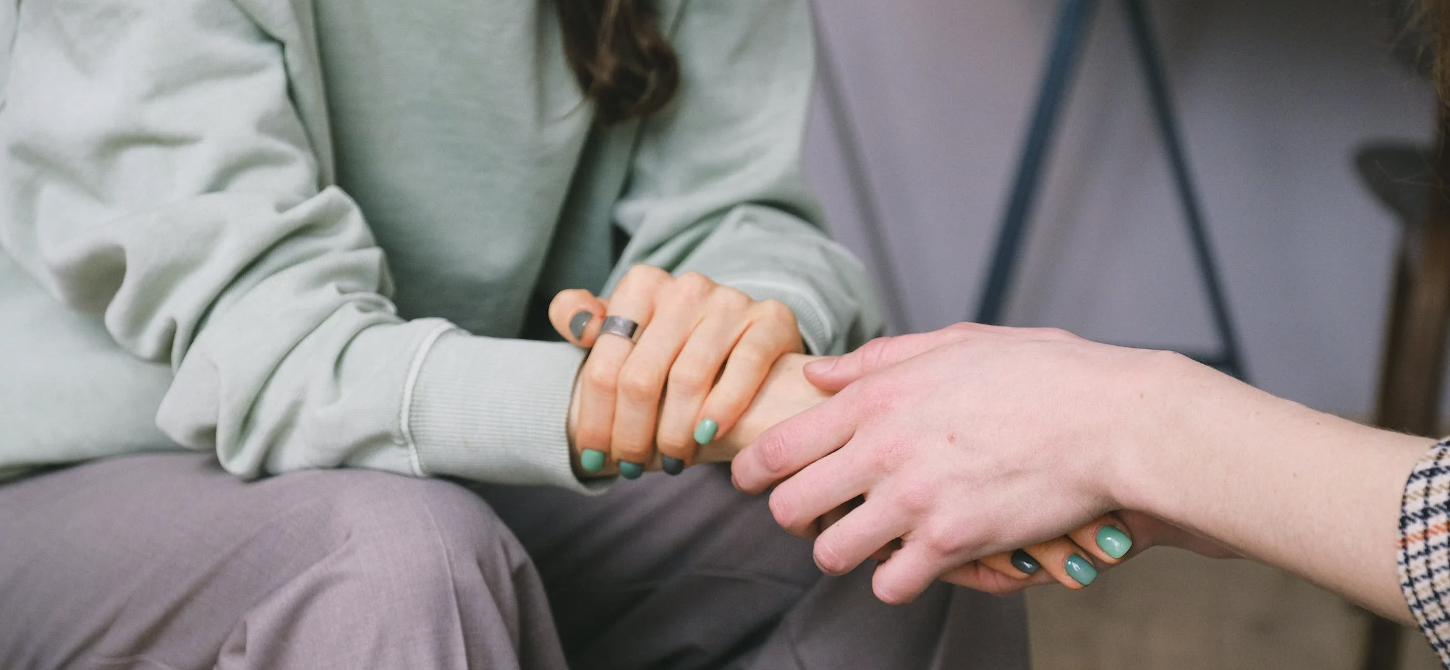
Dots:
(709, 351)
(974, 439)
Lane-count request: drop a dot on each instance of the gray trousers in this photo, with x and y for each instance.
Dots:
(165, 561)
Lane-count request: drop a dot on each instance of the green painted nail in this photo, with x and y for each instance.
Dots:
(671, 464)
(705, 432)
(1080, 569)
(1023, 561)
(579, 323)
(592, 460)
(630, 470)
(1114, 542)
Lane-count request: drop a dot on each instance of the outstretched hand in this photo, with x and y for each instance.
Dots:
(965, 443)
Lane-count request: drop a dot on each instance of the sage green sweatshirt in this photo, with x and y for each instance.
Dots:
(320, 233)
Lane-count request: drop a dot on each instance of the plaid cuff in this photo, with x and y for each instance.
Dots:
(1424, 557)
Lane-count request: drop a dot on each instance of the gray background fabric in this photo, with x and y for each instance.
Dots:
(1274, 97)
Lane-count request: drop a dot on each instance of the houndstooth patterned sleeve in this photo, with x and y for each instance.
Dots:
(1425, 547)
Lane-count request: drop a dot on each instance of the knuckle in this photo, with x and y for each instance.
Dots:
(873, 353)
(638, 385)
(775, 310)
(775, 454)
(729, 297)
(1053, 333)
(916, 499)
(689, 380)
(693, 284)
(942, 540)
(751, 357)
(600, 378)
(641, 276)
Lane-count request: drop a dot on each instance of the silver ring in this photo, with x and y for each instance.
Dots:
(618, 325)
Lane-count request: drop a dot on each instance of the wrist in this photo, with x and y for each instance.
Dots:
(1165, 415)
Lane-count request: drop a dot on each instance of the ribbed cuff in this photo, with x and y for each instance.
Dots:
(495, 410)
(815, 322)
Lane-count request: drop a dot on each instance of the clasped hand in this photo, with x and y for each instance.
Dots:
(711, 369)
(962, 444)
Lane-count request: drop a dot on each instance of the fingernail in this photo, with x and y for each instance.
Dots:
(1024, 562)
(630, 470)
(671, 465)
(592, 460)
(705, 432)
(1080, 569)
(579, 323)
(1114, 542)
(821, 366)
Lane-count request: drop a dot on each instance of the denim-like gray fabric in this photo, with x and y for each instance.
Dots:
(686, 572)
(166, 561)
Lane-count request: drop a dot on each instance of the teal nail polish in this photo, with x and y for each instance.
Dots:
(705, 432)
(579, 323)
(1024, 562)
(671, 465)
(1114, 542)
(591, 460)
(1080, 569)
(630, 470)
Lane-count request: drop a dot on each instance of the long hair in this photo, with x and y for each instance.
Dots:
(1435, 18)
(620, 56)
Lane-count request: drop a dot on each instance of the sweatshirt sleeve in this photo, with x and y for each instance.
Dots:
(716, 185)
(155, 170)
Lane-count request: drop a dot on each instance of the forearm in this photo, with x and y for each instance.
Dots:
(1308, 492)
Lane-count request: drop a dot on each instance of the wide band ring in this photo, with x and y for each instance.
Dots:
(621, 326)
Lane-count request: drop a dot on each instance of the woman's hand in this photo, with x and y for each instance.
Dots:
(698, 358)
(1075, 560)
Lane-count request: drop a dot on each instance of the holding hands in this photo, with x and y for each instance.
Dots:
(964, 443)
(697, 370)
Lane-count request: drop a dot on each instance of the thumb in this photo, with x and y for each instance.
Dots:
(577, 315)
(834, 374)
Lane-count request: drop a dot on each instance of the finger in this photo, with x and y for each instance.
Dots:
(1015, 564)
(1071, 565)
(576, 314)
(827, 520)
(693, 375)
(909, 571)
(745, 371)
(794, 443)
(830, 518)
(829, 482)
(885, 552)
(633, 300)
(979, 576)
(642, 380)
(834, 374)
(858, 536)
(1106, 537)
